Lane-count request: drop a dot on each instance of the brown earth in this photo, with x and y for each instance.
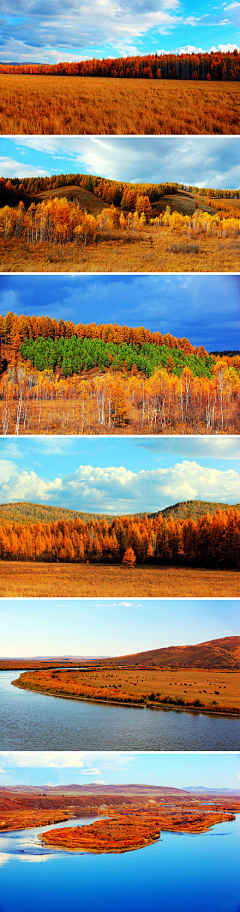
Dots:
(41, 580)
(84, 105)
(215, 690)
(153, 250)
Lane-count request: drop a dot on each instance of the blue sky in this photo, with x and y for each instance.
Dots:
(203, 161)
(119, 474)
(214, 770)
(111, 627)
(34, 30)
(204, 308)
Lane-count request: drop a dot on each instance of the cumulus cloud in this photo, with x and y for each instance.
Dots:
(115, 489)
(27, 486)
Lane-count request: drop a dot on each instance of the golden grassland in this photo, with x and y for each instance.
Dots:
(26, 580)
(150, 251)
(217, 690)
(85, 105)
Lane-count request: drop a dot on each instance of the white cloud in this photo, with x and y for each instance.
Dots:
(28, 485)
(75, 24)
(226, 48)
(10, 168)
(7, 468)
(115, 489)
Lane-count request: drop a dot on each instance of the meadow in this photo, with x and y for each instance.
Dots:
(41, 580)
(149, 251)
(211, 690)
(49, 104)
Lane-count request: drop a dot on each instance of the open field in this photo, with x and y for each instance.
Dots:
(189, 688)
(86, 105)
(148, 252)
(25, 580)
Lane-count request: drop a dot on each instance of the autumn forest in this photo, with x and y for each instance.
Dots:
(86, 224)
(58, 377)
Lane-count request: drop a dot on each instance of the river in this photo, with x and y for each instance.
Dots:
(35, 721)
(180, 872)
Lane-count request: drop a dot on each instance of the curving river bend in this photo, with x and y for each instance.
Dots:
(34, 721)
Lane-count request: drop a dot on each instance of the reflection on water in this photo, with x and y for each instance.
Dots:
(180, 873)
(37, 722)
(26, 845)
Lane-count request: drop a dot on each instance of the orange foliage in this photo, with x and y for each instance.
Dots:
(206, 542)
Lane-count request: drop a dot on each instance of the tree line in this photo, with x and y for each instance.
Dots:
(212, 542)
(49, 328)
(213, 66)
(118, 193)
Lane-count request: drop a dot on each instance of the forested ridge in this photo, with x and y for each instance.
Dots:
(214, 66)
(26, 512)
(118, 193)
(212, 542)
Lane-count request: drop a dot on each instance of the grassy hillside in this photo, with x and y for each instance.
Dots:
(220, 653)
(86, 199)
(45, 513)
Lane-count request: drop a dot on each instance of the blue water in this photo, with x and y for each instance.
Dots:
(34, 721)
(180, 873)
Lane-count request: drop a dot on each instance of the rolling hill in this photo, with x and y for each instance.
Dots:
(44, 513)
(220, 653)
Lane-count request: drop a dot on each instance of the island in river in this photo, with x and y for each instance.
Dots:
(131, 816)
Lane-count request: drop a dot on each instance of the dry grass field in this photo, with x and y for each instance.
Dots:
(41, 580)
(209, 686)
(85, 105)
(150, 251)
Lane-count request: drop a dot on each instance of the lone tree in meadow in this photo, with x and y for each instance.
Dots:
(129, 558)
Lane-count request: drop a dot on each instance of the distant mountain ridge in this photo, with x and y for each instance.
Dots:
(127, 790)
(27, 512)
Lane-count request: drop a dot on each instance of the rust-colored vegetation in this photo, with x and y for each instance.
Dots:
(49, 230)
(211, 690)
(190, 93)
(126, 832)
(134, 815)
(60, 378)
(69, 105)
